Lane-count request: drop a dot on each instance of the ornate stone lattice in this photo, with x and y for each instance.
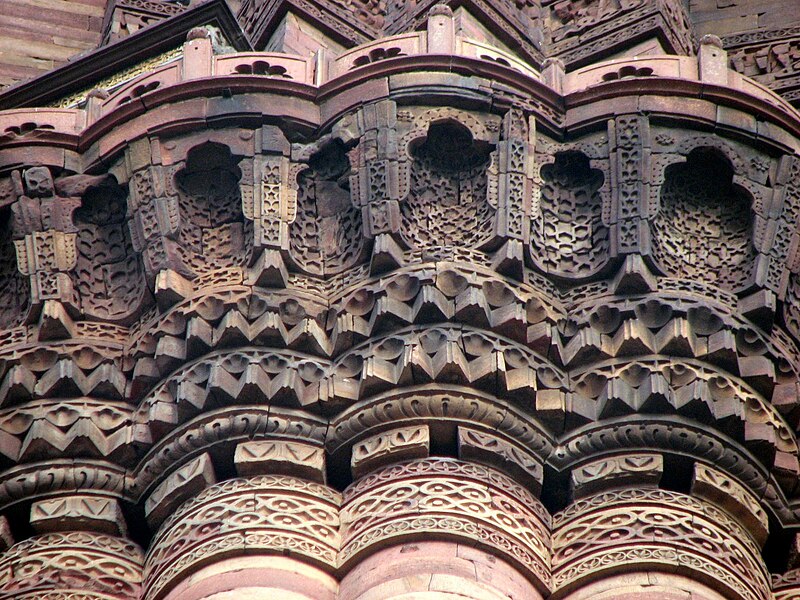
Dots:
(568, 237)
(447, 204)
(14, 287)
(326, 234)
(214, 233)
(703, 226)
(108, 276)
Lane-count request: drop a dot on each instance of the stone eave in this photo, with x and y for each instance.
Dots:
(93, 66)
(697, 101)
(739, 108)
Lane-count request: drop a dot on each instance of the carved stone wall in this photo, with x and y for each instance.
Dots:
(704, 224)
(437, 322)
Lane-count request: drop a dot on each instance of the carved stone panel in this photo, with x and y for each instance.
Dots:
(703, 228)
(109, 275)
(568, 237)
(209, 226)
(15, 288)
(447, 202)
(326, 235)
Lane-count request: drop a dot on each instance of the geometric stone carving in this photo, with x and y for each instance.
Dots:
(326, 234)
(447, 201)
(280, 456)
(440, 497)
(713, 485)
(703, 229)
(44, 232)
(655, 529)
(108, 276)
(206, 217)
(479, 446)
(395, 445)
(561, 291)
(271, 514)
(637, 470)
(78, 564)
(184, 483)
(76, 513)
(568, 237)
(14, 286)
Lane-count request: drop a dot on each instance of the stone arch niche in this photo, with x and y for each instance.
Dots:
(326, 235)
(568, 237)
(214, 233)
(447, 202)
(15, 293)
(109, 274)
(703, 227)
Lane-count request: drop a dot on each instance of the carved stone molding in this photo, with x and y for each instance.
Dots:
(655, 529)
(446, 498)
(263, 514)
(95, 566)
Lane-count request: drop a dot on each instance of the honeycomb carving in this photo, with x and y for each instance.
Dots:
(569, 238)
(213, 231)
(109, 275)
(447, 204)
(14, 286)
(704, 223)
(326, 235)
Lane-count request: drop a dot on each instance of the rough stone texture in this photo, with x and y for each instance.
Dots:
(407, 302)
(39, 35)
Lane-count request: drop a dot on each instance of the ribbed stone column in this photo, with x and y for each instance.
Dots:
(247, 526)
(435, 570)
(484, 535)
(257, 578)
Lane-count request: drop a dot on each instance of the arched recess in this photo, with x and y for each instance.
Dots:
(109, 274)
(447, 203)
(15, 293)
(703, 227)
(568, 237)
(214, 233)
(326, 235)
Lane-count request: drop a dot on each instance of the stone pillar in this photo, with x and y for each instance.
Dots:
(257, 578)
(232, 541)
(484, 535)
(645, 585)
(435, 570)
